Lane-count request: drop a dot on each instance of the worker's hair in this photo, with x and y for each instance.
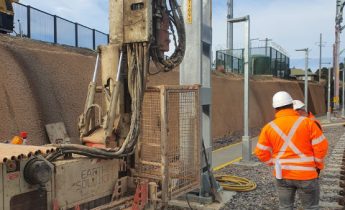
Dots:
(289, 106)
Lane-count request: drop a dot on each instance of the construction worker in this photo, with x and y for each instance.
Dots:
(296, 147)
(299, 106)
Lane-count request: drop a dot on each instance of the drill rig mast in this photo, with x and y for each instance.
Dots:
(139, 30)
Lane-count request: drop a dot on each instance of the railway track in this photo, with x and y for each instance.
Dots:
(332, 179)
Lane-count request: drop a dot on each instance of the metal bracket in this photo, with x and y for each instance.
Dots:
(141, 196)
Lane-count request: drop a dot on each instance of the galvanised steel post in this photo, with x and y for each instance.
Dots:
(246, 147)
(306, 50)
(195, 69)
(329, 96)
(343, 92)
(306, 80)
(329, 92)
(320, 58)
(246, 144)
(338, 29)
(28, 21)
(336, 68)
(230, 29)
(55, 29)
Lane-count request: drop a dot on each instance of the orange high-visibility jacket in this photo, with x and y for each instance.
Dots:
(312, 117)
(294, 145)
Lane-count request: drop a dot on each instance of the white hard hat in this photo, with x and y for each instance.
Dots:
(281, 99)
(297, 104)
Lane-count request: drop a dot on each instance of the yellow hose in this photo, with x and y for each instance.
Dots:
(235, 183)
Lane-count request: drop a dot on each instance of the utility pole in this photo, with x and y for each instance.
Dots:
(320, 61)
(230, 32)
(336, 67)
(338, 29)
(306, 50)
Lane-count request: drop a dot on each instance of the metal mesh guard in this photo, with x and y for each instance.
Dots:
(182, 124)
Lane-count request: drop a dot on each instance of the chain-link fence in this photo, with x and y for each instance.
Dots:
(39, 25)
(231, 60)
(265, 61)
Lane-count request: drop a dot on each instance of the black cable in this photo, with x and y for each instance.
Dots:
(176, 19)
(190, 207)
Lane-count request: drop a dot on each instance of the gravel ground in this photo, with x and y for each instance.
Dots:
(235, 137)
(265, 197)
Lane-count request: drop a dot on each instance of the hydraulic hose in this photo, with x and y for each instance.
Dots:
(235, 183)
(64, 149)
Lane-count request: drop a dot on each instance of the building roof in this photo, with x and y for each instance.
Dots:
(300, 72)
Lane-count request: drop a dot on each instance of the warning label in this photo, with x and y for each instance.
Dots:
(189, 12)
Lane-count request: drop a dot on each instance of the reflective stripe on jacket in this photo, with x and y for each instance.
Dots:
(294, 145)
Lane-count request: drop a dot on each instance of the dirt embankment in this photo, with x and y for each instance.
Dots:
(227, 100)
(42, 83)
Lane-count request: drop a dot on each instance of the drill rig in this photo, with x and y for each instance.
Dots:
(102, 172)
(137, 33)
(6, 16)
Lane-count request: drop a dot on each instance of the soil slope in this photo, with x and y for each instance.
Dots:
(43, 83)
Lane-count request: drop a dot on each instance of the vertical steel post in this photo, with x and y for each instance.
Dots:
(338, 28)
(76, 35)
(329, 96)
(336, 68)
(306, 51)
(306, 80)
(55, 29)
(271, 72)
(196, 69)
(320, 61)
(230, 32)
(246, 144)
(164, 149)
(343, 93)
(329, 91)
(28, 20)
(94, 39)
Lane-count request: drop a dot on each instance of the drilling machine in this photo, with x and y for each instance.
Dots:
(100, 172)
(6, 16)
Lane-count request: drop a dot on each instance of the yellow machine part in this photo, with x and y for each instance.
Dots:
(17, 140)
(6, 6)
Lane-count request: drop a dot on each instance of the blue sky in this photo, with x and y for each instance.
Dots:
(293, 24)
